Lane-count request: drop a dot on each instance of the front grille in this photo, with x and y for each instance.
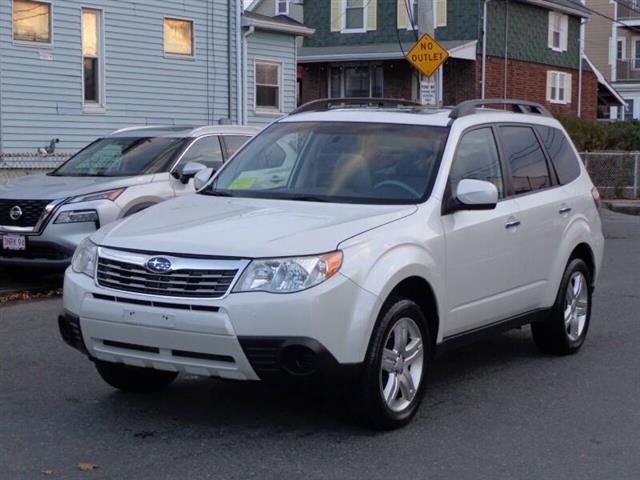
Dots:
(190, 283)
(32, 210)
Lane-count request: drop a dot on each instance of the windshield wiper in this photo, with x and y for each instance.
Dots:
(217, 193)
(304, 198)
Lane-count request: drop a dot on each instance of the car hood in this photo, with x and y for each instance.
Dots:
(245, 227)
(47, 187)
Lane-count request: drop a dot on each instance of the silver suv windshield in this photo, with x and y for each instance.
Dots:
(341, 162)
(122, 157)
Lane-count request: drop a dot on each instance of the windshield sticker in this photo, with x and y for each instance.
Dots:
(242, 183)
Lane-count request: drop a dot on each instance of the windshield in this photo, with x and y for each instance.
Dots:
(336, 162)
(122, 157)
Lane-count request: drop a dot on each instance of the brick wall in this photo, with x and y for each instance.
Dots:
(315, 81)
(460, 81)
(526, 80)
(398, 79)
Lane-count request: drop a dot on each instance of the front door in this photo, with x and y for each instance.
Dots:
(480, 244)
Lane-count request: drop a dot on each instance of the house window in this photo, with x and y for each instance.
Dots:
(628, 110)
(91, 57)
(178, 37)
(267, 86)
(620, 49)
(282, 7)
(31, 21)
(558, 31)
(412, 13)
(558, 87)
(441, 13)
(356, 81)
(354, 15)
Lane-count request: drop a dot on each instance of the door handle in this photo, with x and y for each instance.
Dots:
(513, 224)
(564, 210)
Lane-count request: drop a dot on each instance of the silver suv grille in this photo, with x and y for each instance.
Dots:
(189, 278)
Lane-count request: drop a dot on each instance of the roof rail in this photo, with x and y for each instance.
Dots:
(325, 104)
(469, 107)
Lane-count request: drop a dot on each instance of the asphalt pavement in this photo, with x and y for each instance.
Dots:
(494, 410)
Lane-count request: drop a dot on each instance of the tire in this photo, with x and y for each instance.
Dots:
(565, 331)
(376, 381)
(134, 379)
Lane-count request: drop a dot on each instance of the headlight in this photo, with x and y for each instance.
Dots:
(85, 257)
(107, 195)
(77, 216)
(287, 275)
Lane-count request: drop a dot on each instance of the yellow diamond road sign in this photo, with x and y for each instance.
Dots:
(427, 55)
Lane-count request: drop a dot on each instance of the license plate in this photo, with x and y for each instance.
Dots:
(14, 242)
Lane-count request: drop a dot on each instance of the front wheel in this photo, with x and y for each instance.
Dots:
(390, 387)
(565, 330)
(134, 379)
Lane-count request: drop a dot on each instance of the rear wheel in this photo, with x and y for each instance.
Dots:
(565, 330)
(134, 379)
(391, 385)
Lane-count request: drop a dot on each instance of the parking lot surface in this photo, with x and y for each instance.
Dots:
(497, 409)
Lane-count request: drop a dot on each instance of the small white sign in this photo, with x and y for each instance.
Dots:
(46, 56)
(428, 91)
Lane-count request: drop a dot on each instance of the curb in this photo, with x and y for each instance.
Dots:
(626, 208)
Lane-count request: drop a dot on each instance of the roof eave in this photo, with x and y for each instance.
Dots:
(559, 8)
(275, 26)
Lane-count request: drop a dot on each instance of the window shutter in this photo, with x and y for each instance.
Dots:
(550, 30)
(441, 13)
(403, 17)
(567, 87)
(564, 32)
(336, 15)
(372, 15)
(549, 84)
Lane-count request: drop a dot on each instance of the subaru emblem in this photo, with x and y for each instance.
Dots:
(15, 213)
(158, 265)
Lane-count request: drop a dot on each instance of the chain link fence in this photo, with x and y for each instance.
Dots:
(18, 164)
(616, 174)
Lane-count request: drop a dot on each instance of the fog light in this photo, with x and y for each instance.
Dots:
(77, 216)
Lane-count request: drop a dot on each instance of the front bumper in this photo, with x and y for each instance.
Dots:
(248, 336)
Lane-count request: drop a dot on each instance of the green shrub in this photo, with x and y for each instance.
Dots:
(590, 135)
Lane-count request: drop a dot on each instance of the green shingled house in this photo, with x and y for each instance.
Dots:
(532, 51)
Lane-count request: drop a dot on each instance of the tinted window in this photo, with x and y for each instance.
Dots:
(206, 151)
(477, 158)
(232, 144)
(121, 157)
(561, 153)
(336, 162)
(528, 165)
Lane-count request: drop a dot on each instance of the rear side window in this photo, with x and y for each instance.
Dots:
(562, 154)
(526, 159)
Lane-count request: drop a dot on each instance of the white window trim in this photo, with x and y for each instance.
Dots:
(343, 18)
(634, 52)
(101, 105)
(563, 33)
(623, 41)
(278, 11)
(193, 39)
(266, 110)
(564, 76)
(27, 43)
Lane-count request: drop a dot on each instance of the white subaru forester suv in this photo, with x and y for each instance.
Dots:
(355, 237)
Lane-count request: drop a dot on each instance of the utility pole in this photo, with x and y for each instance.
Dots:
(430, 88)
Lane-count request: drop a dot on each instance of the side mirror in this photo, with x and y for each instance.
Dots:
(202, 178)
(473, 195)
(189, 170)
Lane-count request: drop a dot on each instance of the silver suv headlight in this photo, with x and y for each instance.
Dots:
(288, 275)
(106, 195)
(85, 258)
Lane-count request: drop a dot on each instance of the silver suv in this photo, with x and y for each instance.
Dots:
(44, 217)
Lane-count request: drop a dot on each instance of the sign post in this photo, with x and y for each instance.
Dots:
(427, 56)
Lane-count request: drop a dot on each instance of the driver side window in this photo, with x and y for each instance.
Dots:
(205, 150)
(477, 158)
